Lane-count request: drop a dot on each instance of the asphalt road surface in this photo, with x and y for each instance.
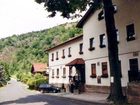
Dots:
(16, 93)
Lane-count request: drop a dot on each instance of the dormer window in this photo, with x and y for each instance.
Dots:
(81, 48)
(91, 44)
(102, 41)
(130, 32)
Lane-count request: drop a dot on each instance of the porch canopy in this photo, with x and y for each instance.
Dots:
(77, 61)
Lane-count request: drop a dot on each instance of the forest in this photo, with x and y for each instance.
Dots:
(18, 52)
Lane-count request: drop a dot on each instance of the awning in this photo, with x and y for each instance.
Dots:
(77, 61)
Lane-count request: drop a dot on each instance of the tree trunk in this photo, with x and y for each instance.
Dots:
(116, 94)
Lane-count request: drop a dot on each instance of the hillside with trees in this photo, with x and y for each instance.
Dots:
(18, 52)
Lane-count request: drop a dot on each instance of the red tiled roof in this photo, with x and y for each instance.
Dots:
(77, 61)
(39, 67)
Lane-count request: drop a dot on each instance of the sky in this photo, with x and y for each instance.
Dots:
(22, 16)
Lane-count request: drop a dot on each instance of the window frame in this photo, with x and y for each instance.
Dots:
(102, 40)
(104, 66)
(81, 48)
(93, 70)
(130, 31)
(91, 44)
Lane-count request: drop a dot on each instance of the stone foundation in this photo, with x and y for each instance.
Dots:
(97, 89)
(133, 93)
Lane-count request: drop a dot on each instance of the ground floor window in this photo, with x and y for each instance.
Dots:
(93, 71)
(104, 70)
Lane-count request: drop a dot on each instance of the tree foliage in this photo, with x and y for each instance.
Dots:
(20, 51)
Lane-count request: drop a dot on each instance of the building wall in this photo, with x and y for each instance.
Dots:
(60, 63)
(127, 13)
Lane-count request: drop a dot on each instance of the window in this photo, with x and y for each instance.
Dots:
(56, 55)
(102, 41)
(53, 73)
(81, 48)
(93, 71)
(101, 15)
(63, 53)
(69, 52)
(115, 8)
(57, 73)
(52, 56)
(133, 64)
(91, 44)
(130, 32)
(64, 73)
(70, 71)
(104, 70)
(118, 38)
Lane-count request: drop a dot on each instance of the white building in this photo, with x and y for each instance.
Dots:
(60, 56)
(95, 53)
(126, 13)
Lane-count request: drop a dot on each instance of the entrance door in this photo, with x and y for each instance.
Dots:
(133, 72)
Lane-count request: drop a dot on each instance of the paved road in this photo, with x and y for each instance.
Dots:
(15, 93)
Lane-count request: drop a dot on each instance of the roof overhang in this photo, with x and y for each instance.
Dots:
(75, 62)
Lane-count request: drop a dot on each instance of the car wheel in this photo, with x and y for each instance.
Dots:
(54, 91)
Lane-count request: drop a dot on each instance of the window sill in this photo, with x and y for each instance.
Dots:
(102, 46)
(93, 76)
(69, 55)
(91, 49)
(57, 76)
(63, 76)
(104, 76)
(63, 57)
(81, 53)
(130, 39)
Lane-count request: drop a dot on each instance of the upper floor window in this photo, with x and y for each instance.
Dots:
(63, 53)
(102, 41)
(57, 73)
(91, 44)
(57, 55)
(64, 73)
(93, 71)
(81, 48)
(104, 70)
(52, 57)
(101, 15)
(130, 32)
(69, 52)
(118, 37)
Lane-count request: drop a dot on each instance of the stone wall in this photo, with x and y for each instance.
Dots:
(133, 92)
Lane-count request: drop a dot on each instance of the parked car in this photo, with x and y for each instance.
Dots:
(48, 88)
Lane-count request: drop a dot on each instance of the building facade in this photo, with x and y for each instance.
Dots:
(95, 47)
(60, 56)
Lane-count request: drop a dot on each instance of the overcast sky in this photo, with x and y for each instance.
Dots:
(21, 16)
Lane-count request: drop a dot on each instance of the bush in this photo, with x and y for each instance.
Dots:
(33, 81)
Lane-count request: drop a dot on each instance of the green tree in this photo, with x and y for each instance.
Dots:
(70, 6)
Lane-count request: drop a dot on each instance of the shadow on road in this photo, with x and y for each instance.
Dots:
(46, 99)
